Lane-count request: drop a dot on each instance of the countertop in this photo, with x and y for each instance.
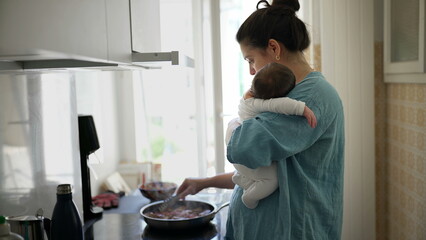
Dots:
(126, 223)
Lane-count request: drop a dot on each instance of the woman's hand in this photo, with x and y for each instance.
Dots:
(190, 186)
(310, 116)
(195, 185)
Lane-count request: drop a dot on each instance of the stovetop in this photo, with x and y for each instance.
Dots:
(131, 226)
(207, 232)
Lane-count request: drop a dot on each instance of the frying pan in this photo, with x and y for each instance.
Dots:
(178, 224)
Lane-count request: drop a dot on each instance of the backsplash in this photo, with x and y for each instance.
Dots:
(38, 141)
(400, 157)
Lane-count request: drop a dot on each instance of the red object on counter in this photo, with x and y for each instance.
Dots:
(107, 200)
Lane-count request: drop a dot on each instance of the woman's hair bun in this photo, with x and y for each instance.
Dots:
(265, 3)
(292, 4)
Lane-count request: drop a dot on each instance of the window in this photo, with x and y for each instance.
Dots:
(175, 111)
(235, 71)
(404, 41)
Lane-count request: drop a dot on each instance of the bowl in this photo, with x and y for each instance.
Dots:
(156, 191)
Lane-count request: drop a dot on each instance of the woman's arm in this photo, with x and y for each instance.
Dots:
(194, 185)
(271, 137)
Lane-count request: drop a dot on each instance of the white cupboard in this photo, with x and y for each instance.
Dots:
(52, 29)
(118, 31)
(62, 34)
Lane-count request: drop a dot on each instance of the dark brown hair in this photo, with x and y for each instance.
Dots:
(272, 81)
(276, 21)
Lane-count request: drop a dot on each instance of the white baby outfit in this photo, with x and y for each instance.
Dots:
(260, 182)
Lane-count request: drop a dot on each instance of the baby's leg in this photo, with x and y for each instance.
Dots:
(248, 199)
(257, 191)
(264, 188)
(241, 180)
(265, 184)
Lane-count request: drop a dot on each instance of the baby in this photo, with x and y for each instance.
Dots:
(269, 87)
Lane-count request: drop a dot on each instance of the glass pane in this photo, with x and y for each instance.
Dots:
(169, 96)
(38, 145)
(169, 99)
(404, 30)
(235, 70)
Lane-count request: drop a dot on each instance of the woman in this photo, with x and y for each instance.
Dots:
(308, 203)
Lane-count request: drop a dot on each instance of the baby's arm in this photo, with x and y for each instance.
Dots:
(310, 116)
(282, 105)
(248, 94)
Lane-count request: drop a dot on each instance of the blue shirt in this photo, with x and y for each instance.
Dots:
(309, 201)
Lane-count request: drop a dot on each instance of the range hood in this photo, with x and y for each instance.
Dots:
(153, 60)
(41, 60)
(35, 60)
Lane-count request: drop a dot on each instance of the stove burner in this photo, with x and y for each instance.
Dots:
(207, 232)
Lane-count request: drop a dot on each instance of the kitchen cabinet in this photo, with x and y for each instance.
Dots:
(404, 41)
(99, 34)
(49, 29)
(118, 31)
(145, 25)
(146, 37)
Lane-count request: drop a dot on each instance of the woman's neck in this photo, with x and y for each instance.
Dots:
(298, 64)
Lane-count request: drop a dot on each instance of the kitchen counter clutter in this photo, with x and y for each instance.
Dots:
(125, 222)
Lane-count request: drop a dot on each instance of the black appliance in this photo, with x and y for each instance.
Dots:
(88, 144)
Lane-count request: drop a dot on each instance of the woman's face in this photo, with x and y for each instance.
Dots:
(256, 57)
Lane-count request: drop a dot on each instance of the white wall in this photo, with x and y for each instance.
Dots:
(96, 93)
(347, 39)
(38, 141)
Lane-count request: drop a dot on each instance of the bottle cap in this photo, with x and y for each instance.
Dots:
(63, 189)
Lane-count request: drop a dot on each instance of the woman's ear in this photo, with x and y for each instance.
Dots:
(274, 48)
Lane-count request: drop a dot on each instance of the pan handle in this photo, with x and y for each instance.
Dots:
(222, 206)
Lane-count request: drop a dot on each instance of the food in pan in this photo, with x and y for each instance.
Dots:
(179, 213)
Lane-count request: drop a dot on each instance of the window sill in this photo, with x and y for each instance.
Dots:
(405, 78)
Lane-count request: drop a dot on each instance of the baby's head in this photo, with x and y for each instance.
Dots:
(272, 81)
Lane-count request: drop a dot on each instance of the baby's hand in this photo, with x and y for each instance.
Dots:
(248, 94)
(310, 116)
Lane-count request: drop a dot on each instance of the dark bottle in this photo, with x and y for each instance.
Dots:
(66, 221)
